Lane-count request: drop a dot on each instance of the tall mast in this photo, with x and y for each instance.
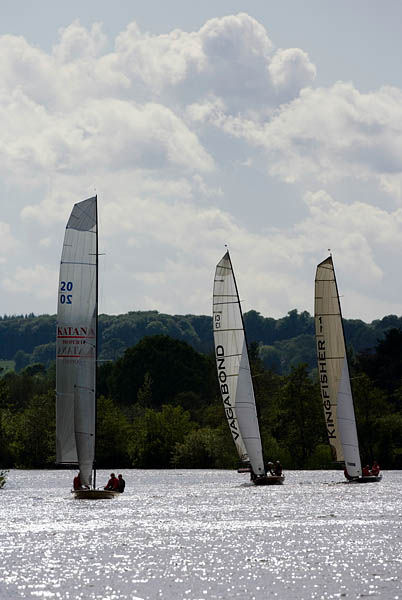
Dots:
(96, 333)
(241, 312)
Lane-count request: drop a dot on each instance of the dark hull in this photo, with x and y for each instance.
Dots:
(269, 480)
(366, 479)
(94, 494)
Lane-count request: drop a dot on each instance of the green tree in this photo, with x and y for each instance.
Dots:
(173, 367)
(301, 425)
(31, 432)
(144, 396)
(204, 449)
(384, 365)
(370, 406)
(155, 435)
(113, 432)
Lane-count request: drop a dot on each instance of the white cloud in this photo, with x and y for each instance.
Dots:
(38, 281)
(8, 242)
(328, 134)
(78, 44)
(291, 70)
(166, 127)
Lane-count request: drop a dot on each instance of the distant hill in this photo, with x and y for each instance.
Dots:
(282, 342)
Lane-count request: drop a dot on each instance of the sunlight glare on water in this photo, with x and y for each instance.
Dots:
(196, 535)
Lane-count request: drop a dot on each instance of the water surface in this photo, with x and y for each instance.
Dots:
(195, 535)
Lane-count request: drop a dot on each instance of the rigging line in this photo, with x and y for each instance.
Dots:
(219, 303)
(243, 403)
(84, 230)
(71, 262)
(84, 387)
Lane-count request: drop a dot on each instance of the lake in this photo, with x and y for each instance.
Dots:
(195, 535)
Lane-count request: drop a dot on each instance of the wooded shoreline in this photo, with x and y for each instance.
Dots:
(159, 407)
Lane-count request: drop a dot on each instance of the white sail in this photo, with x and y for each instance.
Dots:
(333, 370)
(233, 367)
(76, 341)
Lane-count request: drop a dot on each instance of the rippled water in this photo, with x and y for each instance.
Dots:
(201, 534)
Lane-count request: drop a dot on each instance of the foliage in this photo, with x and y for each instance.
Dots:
(3, 477)
(112, 432)
(31, 432)
(285, 342)
(159, 406)
(204, 449)
(155, 435)
(172, 367)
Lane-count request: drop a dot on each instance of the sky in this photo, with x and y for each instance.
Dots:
(272, 128)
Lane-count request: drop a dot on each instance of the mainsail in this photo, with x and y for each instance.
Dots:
(233, 367)
(77, 340)
(333, 370)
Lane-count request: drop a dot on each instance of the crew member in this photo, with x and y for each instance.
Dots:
(375, 469)
(77, 482)
(278, 468)
(122, 484)
(113, 483)
(366, 471)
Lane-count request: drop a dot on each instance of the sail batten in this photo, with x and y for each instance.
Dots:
(76, 341)
(233, 367)
(336, 393)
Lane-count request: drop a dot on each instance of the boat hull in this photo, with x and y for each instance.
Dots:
(94, 494)
(366, 479)
(270, 480)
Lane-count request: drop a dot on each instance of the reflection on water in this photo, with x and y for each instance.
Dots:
(201, 535)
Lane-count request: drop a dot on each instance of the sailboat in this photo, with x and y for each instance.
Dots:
(76, 348)
(334, 377)
(234, 375)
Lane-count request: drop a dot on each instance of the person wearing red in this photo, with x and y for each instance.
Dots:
(113, 483)
(375, 469)
(77, 482)
(366, 471)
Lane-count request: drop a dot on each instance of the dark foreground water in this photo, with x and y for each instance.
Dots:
(201, 535)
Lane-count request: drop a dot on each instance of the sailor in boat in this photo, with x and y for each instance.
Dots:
(366, 471)
(375, 469)
(113, 483)
(122, 483)
(278, 469)
(77, 485)
(77, 482)
(270, 468)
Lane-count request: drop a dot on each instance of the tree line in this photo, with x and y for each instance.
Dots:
(159, 407)
(283, 343)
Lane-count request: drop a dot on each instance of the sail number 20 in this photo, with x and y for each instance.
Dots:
(66, 286)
